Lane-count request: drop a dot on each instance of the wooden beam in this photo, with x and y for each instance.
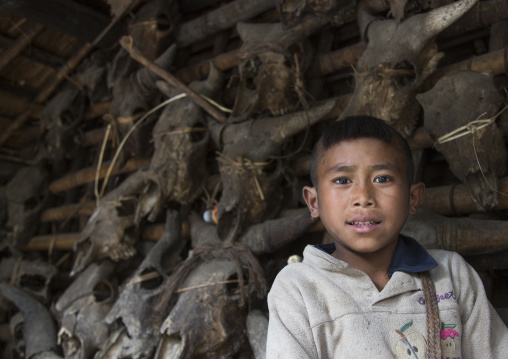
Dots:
(42, 57)
(68, 17)
(87, 175)
(19, 45)
(442, 199)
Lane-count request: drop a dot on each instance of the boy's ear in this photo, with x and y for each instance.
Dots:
(310, 197)
(416, 193)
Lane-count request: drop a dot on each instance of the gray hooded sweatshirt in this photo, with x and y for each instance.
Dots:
(322, 308)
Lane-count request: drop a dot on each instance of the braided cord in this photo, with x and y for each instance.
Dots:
(433, 322)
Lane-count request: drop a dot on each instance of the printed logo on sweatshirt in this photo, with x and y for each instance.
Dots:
(439, 297)
(448, 335)
(413, 344)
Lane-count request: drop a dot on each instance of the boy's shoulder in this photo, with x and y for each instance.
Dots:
(316, 264)
(446, 258)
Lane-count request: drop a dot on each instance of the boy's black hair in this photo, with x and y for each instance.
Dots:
(357, 127)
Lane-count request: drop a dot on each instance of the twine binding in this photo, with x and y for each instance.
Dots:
(433, 322)
(244, 164)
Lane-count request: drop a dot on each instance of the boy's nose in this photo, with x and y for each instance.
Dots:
(363, 196)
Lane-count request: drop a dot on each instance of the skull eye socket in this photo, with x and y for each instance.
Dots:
(34, 282)
(232, 285)
(32, 202)
(163, 23)
(154, 279)
(102, 291)
(19, 331)
(127, 208)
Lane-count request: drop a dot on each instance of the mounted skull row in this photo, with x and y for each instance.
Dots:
(207, 318)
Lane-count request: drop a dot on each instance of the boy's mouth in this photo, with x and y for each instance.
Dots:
(367, 223)
(363, 226)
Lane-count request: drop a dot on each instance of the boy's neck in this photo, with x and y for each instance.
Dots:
(375, 265)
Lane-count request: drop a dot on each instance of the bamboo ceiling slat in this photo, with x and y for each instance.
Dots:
(27, 72)
(19, 45)
(12, 106)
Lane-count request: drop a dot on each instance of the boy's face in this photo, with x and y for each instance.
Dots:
(363, 197)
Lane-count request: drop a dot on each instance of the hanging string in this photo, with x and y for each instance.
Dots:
(471, 128)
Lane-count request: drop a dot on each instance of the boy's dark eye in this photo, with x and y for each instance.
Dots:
(342, 181)
(382, 179)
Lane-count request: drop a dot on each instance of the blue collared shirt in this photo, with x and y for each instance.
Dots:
(409, 256)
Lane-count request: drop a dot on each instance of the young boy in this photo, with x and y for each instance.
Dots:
(366, 295)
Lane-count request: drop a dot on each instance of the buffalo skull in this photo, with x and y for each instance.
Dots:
(398, 58)
(478, 158)
(178, 167)
(209, 317)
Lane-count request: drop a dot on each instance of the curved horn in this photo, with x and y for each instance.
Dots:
(273, 234)
(425, 26)
(40, 330)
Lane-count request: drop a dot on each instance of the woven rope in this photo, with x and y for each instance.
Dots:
(433, 322)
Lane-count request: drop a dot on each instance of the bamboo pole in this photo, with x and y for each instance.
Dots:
(441, 199)
(97, 110)
(67, 211)
(494, 61)
(199, 71)
(87, 175)
(19, 45)
(63, 241)
(127, 44)
(337, 60)
(466, 236)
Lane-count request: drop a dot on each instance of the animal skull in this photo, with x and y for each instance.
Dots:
(133, 95)
(478, 159)
(205, 322)
(110, 231)
(398, 58)
(269, 80)
(25, 196)
(82, 308)
(39, 327)
(178, 168)
(32, 276)
(153, 27)
(138, 334)
(250, 172)
(208, 319)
